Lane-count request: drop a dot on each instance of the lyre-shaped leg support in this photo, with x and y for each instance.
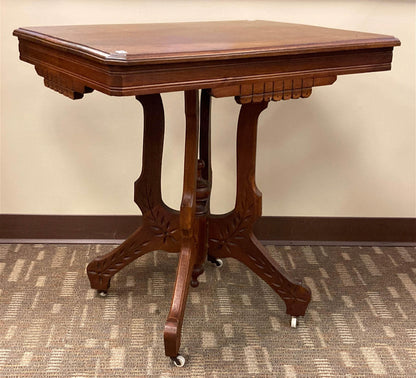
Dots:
(160, 229)
(231, 235)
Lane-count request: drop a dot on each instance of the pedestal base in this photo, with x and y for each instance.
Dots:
(193, 232)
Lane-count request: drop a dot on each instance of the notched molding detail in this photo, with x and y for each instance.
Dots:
(63, 84)
(275, 90)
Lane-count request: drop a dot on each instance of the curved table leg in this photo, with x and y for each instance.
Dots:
(173, 325)
(231, 235)
(189, 229)
(160, 229)
(248, 250)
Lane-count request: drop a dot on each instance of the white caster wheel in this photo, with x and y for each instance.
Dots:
(178, 361)
(294, 322)
(219, 263)
(102, 293)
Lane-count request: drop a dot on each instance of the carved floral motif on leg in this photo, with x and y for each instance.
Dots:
(226, 232)
(160, 231)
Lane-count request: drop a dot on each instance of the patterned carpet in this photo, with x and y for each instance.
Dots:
(361, 322)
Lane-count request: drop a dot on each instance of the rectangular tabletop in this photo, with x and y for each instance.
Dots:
(147, 58)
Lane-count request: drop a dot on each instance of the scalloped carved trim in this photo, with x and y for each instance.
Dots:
(275, 90)
(62, 83)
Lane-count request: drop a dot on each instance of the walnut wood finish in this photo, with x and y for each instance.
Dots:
(195, 41)
(189, 228)
(160, 228)
(124, 60)
(203, 185)
(231, 235)
(273, 90)
(256, 62)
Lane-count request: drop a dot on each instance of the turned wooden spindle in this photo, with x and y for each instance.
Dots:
(203, 191)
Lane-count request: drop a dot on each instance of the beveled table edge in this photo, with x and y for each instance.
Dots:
(379, 41)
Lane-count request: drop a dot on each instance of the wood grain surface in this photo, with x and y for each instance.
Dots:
(153, 43)
(232, 57)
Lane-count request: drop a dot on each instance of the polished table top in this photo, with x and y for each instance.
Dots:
(154, 58)
(141, 43)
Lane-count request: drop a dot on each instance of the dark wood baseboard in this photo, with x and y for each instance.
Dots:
(279, 230)
(67, 226)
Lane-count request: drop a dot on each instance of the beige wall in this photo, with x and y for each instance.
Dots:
(348, 150)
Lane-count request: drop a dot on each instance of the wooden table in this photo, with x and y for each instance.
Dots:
(254, 61)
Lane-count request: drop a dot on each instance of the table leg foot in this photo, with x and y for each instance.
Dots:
(173, 326)
(196, 272)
